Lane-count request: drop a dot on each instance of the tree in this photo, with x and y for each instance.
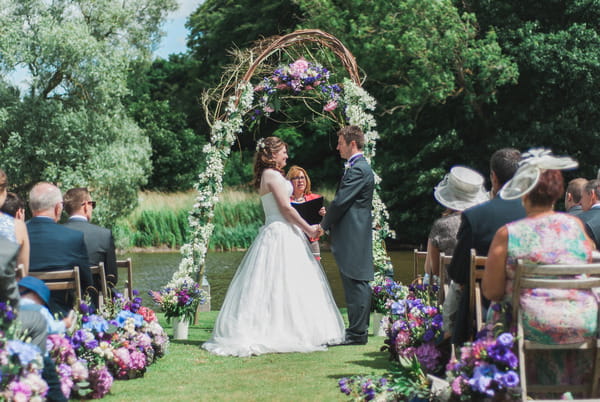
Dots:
(68, 125)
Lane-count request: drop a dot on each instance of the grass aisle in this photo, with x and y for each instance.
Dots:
(189, 373)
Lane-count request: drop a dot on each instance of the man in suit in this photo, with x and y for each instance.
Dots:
(590, 203)
(98, 240)
(55, 247)
(349, 222)
(573, 195)
(477, 228)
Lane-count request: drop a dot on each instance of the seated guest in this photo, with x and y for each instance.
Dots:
(13, 229)
(98, 240)
(575, 190)
(35, 296)
(590, 203)
(302, 193)
(14, 206)
(477, 228)
(55, 247)
(460, 189)
(543, 237)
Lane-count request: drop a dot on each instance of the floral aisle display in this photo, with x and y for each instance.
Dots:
(21, 363)
(347, 102)
(118, 342)
(487, 368)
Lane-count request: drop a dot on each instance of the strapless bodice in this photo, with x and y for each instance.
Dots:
(272, 213)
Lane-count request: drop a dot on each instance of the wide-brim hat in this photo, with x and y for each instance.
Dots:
(534, 162)
(460, 189)
(36, 285)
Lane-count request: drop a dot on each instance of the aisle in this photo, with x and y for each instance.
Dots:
(189, 373)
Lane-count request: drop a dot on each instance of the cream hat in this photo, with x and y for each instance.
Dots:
(460, 189)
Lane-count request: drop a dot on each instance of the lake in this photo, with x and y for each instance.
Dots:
(152, 270)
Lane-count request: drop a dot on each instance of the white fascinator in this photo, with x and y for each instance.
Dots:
(533, 163)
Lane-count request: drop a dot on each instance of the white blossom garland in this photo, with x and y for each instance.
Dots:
(358, 106)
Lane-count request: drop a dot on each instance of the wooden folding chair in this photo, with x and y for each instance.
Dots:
(418, 262)
(534, 276)
(67, 279)
(475, 298)
(443, 291)
(103, 291)
(129, 282)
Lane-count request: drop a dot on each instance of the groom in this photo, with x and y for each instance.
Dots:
(348, 220)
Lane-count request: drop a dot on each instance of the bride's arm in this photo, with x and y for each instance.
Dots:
(275, 183)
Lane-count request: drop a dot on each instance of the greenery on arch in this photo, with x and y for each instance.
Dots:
(346, 103)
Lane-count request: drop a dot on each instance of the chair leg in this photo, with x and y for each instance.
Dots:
(595, 372)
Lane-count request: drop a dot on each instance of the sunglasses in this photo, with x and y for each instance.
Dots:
(92, 203)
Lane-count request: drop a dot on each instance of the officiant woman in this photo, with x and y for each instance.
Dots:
(301, 183)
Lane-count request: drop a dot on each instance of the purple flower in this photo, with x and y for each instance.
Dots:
(399, 307)
(483, 376)
(428, 335)
(510, 379)
(429, 356)
(506, 339)
(344, 386)
(101, 381)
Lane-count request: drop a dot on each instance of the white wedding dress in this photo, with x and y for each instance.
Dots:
(279, 300)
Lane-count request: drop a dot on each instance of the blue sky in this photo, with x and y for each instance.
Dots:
(174, 40)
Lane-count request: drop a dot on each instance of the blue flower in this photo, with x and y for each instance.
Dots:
(482, 379)
(26, 352)
(510, 379)
(123, 315)
(399, 307)
(506, 339)
(96, 323)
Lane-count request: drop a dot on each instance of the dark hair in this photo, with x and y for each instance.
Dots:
(12, 204)
(576, 188)
(504, 163)
(549, 188)
(267, 148)
(593, 185)
(294, 171)
(74, 199)
(353, 133)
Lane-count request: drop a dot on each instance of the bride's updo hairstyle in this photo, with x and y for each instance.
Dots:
(265, 149)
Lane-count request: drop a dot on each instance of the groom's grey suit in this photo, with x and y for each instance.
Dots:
(349, 222)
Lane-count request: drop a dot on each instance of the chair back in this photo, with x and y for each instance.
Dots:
(547, 276)
(444, 261)
(418, 263)
(129, 282)
(19, 271)
(67, 279)
(99, 270)
(477, 266)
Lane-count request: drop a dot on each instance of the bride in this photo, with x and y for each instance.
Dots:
(279, 299)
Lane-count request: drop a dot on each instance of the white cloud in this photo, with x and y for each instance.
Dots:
(186, 7)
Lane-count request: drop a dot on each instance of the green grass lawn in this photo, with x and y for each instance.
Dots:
(189, 373)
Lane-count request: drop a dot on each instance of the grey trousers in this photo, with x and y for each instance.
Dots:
(358, 302)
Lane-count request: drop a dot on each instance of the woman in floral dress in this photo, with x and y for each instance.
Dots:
(552, 315)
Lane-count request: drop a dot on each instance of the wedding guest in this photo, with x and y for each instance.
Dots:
(279, 300)
(55, 247)
(349, 220)
(590, 203)
(542, 237)
(573, 195)
(460, 189)
(13, 229)
(35, 296)
(99, 241)
(301, 194)
(477, 228)
(14, 206)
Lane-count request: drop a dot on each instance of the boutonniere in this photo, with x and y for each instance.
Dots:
(347, 165)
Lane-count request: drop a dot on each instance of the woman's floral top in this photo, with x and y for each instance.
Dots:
(7, 227)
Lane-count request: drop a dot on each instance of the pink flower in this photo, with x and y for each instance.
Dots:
(268, 109)
(331, 105)
(298, 67)
(20, 391)
(457, 385)
(138, 360)
(148, 314)
(101, 381)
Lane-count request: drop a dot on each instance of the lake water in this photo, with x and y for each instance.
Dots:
(152, 270)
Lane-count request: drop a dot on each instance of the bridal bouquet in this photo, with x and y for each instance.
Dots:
(180, 298)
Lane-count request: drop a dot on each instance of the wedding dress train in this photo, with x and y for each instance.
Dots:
(279, 299)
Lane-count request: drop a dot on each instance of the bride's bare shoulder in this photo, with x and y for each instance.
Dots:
(268, 179)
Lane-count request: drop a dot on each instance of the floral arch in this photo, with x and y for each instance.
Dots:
(236, 97)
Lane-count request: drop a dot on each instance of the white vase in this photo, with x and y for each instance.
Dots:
(378, 328)
(180, 328)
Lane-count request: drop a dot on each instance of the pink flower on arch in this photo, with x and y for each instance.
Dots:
(298, 67)
(331, 105)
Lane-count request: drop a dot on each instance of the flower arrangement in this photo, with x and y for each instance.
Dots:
(179, 299)
(385, 289)
(20, 363)
(299, 76)
(485, 368)
(416, 325)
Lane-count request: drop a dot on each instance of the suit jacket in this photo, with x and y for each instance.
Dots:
(591, 221)
(100, 246)
(575, 210)
(54, 247)
(9, 291)
(349, 221)
(477, 229)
